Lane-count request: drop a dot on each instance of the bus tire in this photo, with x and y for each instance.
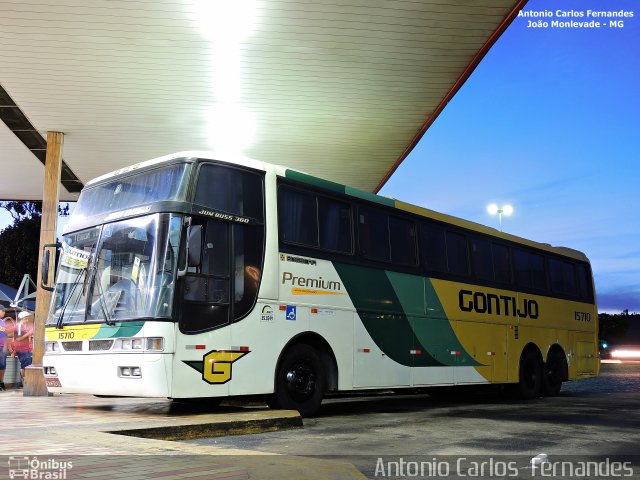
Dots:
(553, 374)
(530, 376)
(300, 381)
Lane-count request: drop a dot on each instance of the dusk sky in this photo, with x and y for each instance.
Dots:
(550, 123)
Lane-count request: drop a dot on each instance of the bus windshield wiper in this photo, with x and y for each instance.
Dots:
(59, 323)
(103, 305)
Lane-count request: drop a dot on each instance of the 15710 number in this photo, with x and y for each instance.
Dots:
(582, 316)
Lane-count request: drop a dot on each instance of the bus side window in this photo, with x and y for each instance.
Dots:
(433, 248)
(481, 255)
(374, 235)
(403, 241)
(297, 217)
(521, 268)
(501, 263)
(334, 219)
(457, 254)
(584, 289)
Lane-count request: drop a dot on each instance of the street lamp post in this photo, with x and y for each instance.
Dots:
(493, 209)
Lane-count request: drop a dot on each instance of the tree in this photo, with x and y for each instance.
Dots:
(21, 210)
(613, 327)
(19, 244)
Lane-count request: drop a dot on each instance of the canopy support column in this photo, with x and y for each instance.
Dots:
(34, 382)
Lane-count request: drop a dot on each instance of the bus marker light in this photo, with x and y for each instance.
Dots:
(491, 354)
(283, 308)
(415, 352)
(195, 347)
(364, 350)
(454, 352)
(314, 310)
(244, 349)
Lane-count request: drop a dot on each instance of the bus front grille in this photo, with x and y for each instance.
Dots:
(72, 346)
(95, 345)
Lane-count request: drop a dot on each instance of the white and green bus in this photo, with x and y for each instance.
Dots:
(191, 277)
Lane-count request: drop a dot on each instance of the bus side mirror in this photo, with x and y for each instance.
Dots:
(44, 271)
(194, 251)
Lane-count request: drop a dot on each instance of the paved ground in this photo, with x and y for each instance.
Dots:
(41, 434)
(593, 418)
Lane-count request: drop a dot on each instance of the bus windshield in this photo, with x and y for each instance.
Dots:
(122, 270)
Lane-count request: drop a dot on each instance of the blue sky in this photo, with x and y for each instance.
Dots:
(550, 123)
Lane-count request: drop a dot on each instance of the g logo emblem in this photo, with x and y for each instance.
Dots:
(217, 366)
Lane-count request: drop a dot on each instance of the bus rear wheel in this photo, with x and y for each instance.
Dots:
(530, 376)
(554, 374)
(300, 381)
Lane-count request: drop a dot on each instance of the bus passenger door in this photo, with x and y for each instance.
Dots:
(203, 361)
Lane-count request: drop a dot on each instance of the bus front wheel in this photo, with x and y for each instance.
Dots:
(300, 381)
(530, 377)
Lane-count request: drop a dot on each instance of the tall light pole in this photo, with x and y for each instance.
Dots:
(493, 209)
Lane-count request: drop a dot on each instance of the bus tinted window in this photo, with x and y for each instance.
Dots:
(403, 244)
(334, 219)
(230, 190)
(481, 255)
(168, 183)
(374, 235)
(584, 289)
(501, 263)
(569, 275)
(298, 221)
(555, 274)
(521, 268)
(457, 255)
(433, 248)
(538, 272)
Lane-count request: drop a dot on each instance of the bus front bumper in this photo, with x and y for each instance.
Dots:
(118, 374)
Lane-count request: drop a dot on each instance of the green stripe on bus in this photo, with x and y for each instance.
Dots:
(338, 188)
(315, 181)
(428, 320)
(382, 315)
(122, 329)
(354, 192)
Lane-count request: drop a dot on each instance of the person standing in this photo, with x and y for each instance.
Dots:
(23, 341)
(4, 346)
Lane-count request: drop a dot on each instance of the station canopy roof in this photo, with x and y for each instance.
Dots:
(339, 89)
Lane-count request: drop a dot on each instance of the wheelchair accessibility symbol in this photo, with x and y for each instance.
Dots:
(291, 312)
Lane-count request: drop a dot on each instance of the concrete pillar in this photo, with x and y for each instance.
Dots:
(34, 383)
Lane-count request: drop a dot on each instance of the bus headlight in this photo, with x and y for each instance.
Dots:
(155, 344)
(146, 344)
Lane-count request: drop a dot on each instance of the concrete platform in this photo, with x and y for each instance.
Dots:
(102, 438)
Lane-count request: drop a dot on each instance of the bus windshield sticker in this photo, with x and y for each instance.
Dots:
(74, 257)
